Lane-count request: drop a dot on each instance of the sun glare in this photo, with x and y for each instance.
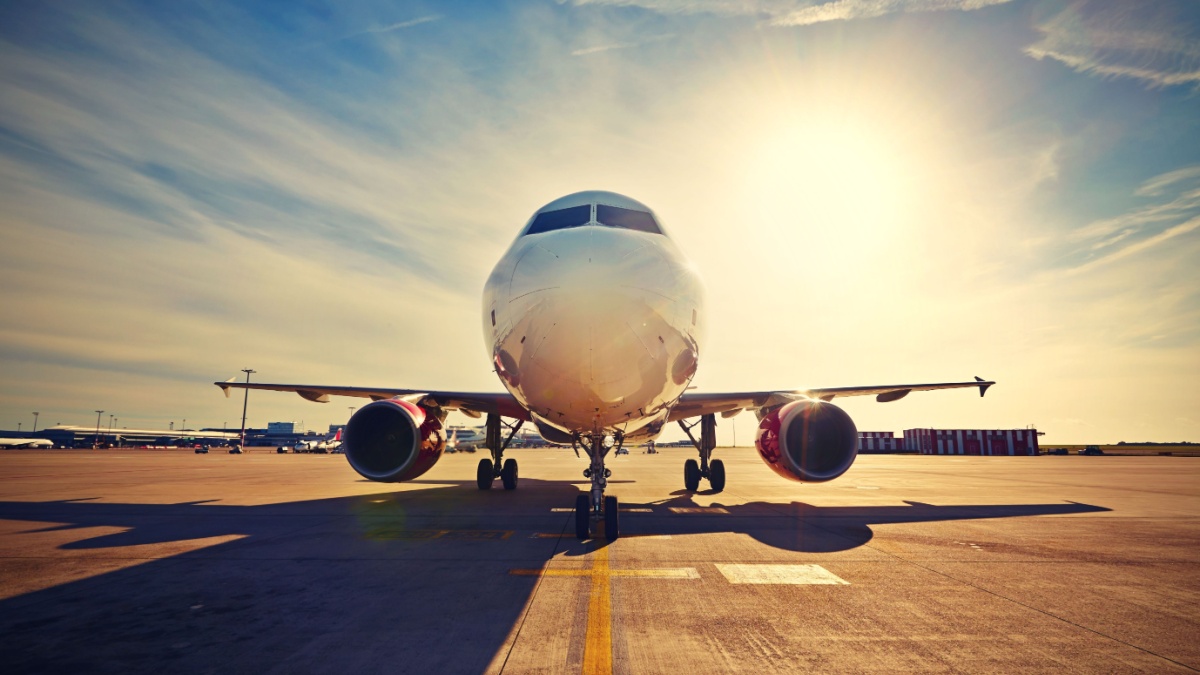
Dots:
(835, 185)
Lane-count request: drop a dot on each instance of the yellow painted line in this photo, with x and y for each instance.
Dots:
(698, 509)
(663, 573)
(635, 510)
(597, 647)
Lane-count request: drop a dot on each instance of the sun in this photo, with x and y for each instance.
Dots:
(835, 184)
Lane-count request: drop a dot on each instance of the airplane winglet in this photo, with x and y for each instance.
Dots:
(225, 389)
(983, 385)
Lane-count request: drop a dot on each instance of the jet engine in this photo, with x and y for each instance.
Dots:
(393, 440)
(809, 441)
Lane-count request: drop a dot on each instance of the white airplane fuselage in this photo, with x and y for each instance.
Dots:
(595, 328)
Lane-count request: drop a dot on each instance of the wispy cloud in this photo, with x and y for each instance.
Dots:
(797, 12)
(1156, 43)
(848, 10)
(620, 45)
(391, 27)
(1175, 213)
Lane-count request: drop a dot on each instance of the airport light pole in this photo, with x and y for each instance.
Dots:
(110, 421)
(35, 422)
(245, 402)
(96, 437)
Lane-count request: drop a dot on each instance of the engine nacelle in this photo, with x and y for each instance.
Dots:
(393, 440)
(809, 441)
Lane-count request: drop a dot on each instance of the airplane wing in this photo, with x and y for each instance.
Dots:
(693, 404)
(469, 402)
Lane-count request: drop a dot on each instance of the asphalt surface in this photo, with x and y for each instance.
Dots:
(129, 561)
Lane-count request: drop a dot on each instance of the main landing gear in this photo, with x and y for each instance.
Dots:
(498, 467)
(713, 470)
(592, 507)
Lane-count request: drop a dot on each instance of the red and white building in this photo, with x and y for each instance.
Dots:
(879, 441)
(971, 441)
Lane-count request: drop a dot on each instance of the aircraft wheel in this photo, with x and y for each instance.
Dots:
(484, 474)
(691, 475)
(509, 474)
(716, 475)
(612, 524)
(583, 516)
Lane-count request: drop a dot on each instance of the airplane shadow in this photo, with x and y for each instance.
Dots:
(410, 581)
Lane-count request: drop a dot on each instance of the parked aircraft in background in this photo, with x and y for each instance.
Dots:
(464, 438)
(323, 444)
(25, 443)
(594, 320)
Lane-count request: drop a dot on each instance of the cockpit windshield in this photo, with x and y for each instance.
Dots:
(578, 216)
(562, 219)
(614, 216)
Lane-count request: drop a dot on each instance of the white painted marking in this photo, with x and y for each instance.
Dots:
(867, 487)
(779, 574)
(698, 509)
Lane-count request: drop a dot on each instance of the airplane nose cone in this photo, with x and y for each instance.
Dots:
(594, 315)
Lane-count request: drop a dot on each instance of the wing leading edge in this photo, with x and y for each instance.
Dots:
(472, 403)
(691, 405)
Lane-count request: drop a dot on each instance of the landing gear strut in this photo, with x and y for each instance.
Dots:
(498, 467)
(712, 469)
(592, 507)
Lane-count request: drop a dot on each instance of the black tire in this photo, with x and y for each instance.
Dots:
(612, 519)
(583, 516)
(716, 475)
(484, 474)
(691, 475)
(509, 474)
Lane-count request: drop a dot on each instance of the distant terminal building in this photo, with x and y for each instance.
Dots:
(280, 428)
(971, 441)
(879, 441)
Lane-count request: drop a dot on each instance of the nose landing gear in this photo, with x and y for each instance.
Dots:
(712, 469)
(591, 508)
(498, 467)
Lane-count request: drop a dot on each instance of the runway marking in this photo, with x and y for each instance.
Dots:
(426, 535)
(597, 646)
(698, 509)
(779, 574)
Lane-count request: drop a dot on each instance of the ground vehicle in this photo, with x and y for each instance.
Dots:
(201, 450)
(1057, 451)
(1091, 450)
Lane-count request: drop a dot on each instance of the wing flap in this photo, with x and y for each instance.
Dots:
(693, 404)
(476, 403)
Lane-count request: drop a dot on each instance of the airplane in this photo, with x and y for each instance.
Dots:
(595, 321)
(321, 445)
(464, 438)
(25, 443)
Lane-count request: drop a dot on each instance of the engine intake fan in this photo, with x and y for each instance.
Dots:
(809, 441)
(393, 440)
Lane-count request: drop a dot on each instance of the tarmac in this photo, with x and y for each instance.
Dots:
(131, 561)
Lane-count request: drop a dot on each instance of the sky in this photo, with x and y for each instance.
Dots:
(875, 191)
